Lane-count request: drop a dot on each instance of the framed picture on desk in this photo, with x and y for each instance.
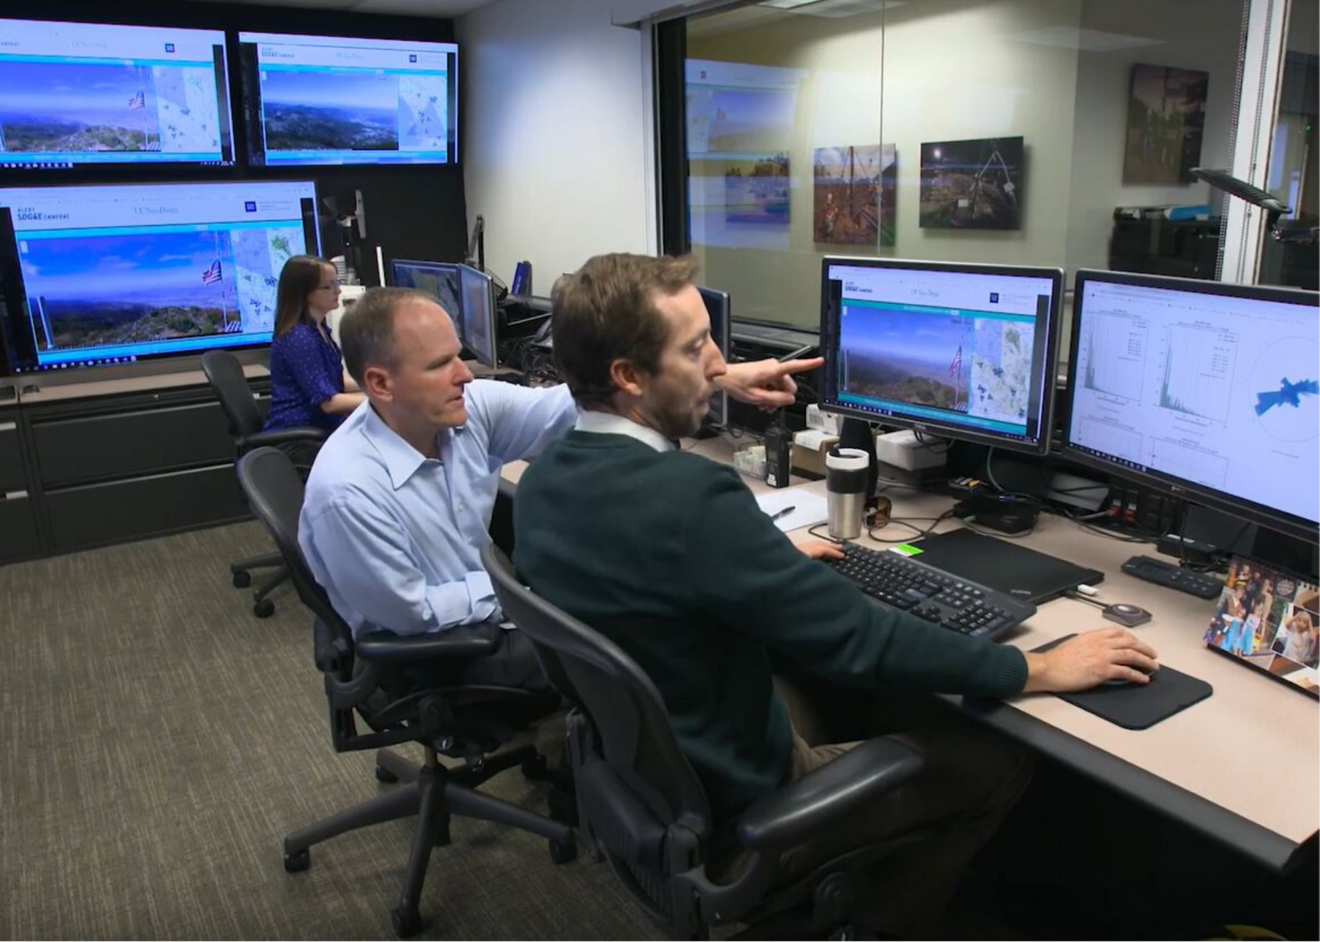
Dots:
(1270, 620)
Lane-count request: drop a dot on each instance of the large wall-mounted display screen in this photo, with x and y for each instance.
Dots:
(333, 100)
(112, 274)
(83, 94)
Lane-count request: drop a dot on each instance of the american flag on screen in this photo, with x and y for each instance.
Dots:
(138, 101)
(212, 274)
(956, 365)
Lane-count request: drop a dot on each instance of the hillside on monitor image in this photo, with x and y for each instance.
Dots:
(32, 134)
(312, 127)
(97, 323)
(885, 376)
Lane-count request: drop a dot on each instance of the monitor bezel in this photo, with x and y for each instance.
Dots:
(1243, 509)
(494, 359)
(949, 430)
(718, 413)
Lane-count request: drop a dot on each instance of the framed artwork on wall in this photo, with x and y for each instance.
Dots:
(854, 189)
(975, 184)
(1166, 120)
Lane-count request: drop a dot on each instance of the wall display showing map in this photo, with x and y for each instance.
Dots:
(1165, 123)
(974, 184)
(855, 188)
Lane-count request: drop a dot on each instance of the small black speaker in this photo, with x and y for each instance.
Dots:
(856, 433)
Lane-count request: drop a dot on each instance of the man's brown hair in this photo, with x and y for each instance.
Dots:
(606, 311)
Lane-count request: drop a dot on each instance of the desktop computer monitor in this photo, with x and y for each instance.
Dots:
(467, 295)
(1204, 390)
(960, 351)
(717, 306)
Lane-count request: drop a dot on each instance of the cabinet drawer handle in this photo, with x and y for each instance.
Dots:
(8, 426)
(14, 495)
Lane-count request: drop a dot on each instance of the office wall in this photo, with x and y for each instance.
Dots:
(1203, 36)
(554, 142)
(945, 70)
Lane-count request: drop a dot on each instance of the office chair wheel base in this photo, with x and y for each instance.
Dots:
(407, 922)
(563, 853)
(263, 608)
(242, 579)
(385, 775)
(297, 863)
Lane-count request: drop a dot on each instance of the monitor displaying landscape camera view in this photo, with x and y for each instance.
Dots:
(75, 94)
(115, 274)
(334, 100)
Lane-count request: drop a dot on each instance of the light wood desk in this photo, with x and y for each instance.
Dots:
(1242, 766)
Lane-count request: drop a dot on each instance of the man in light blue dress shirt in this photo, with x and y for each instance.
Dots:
(401, 494)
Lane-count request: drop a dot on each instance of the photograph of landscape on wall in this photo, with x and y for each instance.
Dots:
(1166, 118)
(58, 107)
(330, 110)
(974, 184)
(906, 356)
(756, 191)
(98, 290)
(854, 195)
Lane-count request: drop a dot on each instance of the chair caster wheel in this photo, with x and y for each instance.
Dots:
(263, 609)
(563, 853)
(297, 863)
(385, 775)
(242, 579)
(407, 922)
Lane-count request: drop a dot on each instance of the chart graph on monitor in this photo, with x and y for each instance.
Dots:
(1116, 355)
(1198, 367)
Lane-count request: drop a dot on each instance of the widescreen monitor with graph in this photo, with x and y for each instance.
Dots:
(106, 275)
(1206, 390)
(960, 351)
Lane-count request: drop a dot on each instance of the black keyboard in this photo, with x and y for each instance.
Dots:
(930, 593)
(1173, 576)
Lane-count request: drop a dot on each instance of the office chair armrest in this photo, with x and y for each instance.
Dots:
(385, 647)
(281, 436)
(790, 815)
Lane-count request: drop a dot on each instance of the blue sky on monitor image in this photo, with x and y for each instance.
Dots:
(330, 110)
(77, 107)
(907, 356)
(132, 288)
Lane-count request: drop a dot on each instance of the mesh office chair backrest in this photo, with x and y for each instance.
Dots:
(225, 374)
(634, 735)
(274, 491)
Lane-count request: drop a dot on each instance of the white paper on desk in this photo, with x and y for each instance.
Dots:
(809, 508)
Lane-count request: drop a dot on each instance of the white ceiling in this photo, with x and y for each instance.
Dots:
(439, 8)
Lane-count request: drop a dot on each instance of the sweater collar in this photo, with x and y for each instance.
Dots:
(606, 423)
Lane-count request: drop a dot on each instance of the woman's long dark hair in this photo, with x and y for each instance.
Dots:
(300, 276)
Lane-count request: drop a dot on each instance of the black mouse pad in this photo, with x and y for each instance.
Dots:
(1138, 706)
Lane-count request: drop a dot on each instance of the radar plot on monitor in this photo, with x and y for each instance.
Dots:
(1284, 386)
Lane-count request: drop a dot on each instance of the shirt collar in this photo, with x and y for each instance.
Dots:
(401, 459)
(607, 423)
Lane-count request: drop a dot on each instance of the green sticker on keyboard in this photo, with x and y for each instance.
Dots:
(906, 549)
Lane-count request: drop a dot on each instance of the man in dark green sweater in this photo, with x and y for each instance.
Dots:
(668, 554)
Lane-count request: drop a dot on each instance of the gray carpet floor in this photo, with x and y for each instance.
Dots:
(157, 741)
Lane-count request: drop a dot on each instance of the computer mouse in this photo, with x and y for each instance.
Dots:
(1120, 682)
(1126, 614)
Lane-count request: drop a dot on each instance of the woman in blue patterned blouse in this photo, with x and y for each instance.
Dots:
(308, 385)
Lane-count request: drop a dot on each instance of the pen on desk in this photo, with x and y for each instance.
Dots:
(781, 513)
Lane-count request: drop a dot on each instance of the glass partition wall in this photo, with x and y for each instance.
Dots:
(1029, 132)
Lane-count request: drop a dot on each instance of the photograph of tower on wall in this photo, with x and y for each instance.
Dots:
(974, 184)
(854, 194)
(1166, 119)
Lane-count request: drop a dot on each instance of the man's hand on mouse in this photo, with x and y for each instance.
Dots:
(1091, 659)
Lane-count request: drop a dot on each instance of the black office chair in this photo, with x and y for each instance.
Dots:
(643, 807)
(363, 677)
(225, 374)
